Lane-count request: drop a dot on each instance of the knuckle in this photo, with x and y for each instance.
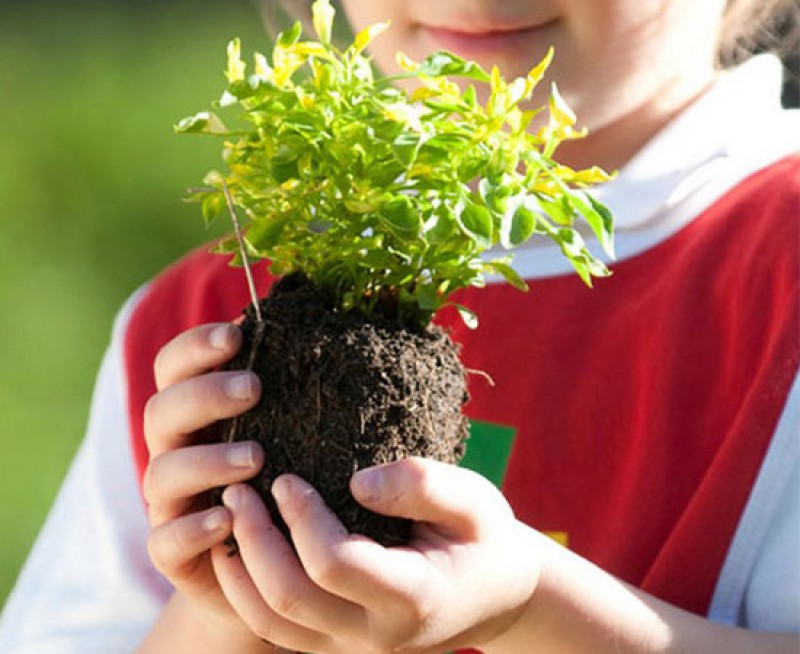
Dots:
(284, 601)
(488, 499)
(168, 360)
(405, 481)
(171, 547)
(151, 408)
(157, 551)
(415, 468)
(417, 480)
(152, 481)
(160, 365)
(328, 570)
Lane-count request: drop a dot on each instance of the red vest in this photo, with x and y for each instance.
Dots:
(639, 411)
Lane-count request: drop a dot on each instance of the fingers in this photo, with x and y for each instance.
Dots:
(174, 478)
(453, 499)
(195, 403)
(242, 595)
(350, 566)
(196, 351)
(191, 398)
(175, 547)
(277, 573)
(267, 586)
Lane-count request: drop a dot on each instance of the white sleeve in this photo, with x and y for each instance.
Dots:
(88, 586)
(759, 586)
(772, 599)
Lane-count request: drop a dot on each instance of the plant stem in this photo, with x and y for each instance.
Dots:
(238, 231)
(259, 333)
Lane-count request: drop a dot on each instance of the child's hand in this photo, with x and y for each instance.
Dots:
(463, 580)
(182, 469)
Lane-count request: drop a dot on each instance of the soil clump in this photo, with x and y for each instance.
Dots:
(342, 392)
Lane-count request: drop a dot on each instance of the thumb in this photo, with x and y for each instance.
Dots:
(455, 500)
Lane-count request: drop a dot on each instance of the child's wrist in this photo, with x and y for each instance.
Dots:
(185, 626)
(516, 631)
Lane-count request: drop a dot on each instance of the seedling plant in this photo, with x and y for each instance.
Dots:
(373, 206)
(390, 199)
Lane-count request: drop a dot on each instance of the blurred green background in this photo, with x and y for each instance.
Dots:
(91, 177)
(91, 180)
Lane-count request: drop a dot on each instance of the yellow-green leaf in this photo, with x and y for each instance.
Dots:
(405, 62)
(560, 112)
(236, 67)
(366, 36)
(538, 71)
(323, 14)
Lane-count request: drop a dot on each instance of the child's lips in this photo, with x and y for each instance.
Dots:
(474, 42)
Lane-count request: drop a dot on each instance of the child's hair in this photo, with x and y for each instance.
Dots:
(748, 26)
(751, 26)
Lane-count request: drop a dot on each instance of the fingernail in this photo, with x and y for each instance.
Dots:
(219, 337)
(280, 489)
(241, 387)
(232, 497)
(213, 521)
(367, 483)
(241, 455)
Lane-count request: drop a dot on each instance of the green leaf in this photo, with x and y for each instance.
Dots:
(469, 317)
(502, 267)
(606, 235)
(212, 206)
(290, 36)
(470, 96)
(427, 297)
(447, 144)
(517, 226)
(446, 63)
(495, 196)
(265, 234)
(401, 217)
(204, 122)
(476, 222)
(598, 218)
(376, 259)
(561, 211)
(440, 226)
(474, 162)
(369, 189)
(283, 170)
(406, 146)
(584, 262)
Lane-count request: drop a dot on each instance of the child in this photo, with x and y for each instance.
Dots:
(654, 418)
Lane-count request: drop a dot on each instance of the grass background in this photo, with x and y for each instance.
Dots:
(90, 180)
(91, 177)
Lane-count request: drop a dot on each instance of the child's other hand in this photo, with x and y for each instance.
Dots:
(463, 580)
(183, 469)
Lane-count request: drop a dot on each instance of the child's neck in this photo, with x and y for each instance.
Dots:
(614, 144)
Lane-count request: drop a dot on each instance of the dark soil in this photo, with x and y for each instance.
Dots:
(341, 392)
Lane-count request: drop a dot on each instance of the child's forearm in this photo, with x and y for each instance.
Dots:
(181, 628)
(578, 608)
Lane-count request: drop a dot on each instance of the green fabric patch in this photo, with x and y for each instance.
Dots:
(488, 450)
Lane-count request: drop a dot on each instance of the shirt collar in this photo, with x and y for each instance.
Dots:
(738, 106)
